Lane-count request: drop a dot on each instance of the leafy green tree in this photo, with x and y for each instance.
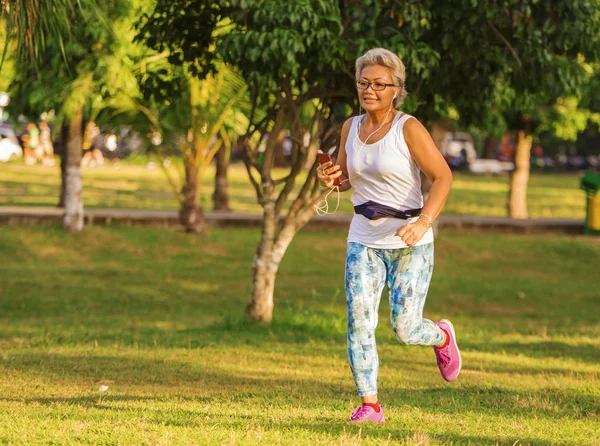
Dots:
(494, 65)
(74, 71)
(34, 22)
(199, 119)
(539, 86)
(8, 64)
(195, 118)
(466, 61)
(285, 51)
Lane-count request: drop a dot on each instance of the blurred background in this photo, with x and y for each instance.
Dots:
(183, 99)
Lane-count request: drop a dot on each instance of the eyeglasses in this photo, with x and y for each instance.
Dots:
(376, 86)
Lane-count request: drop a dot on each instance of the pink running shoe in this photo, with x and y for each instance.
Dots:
(364, 414)
(448, 358)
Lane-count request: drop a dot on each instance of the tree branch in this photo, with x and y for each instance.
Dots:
(506, 42)
(268, 155)
(257, 188)
(418, 89)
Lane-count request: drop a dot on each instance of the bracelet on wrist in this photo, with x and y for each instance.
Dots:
(426, 219)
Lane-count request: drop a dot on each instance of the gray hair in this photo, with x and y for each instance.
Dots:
(385, 58)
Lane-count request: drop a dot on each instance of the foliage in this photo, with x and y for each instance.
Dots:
(194, 116)
(34, 22)
(7, 68)
(566, 119)
(471, 60)
(83, 70)
(550, 47)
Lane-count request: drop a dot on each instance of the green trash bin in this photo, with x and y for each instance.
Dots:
(590, 183)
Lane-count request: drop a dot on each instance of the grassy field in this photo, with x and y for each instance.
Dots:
(131, 185)
(157, 317)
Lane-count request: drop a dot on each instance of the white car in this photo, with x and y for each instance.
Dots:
(9, 147)
(491, 166)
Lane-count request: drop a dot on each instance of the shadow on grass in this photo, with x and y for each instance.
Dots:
(497, 368)
(214, 380)
(324, 331)
(261, 380)
(542, 350)
(87, 401)
(293, 326)
(549, 403)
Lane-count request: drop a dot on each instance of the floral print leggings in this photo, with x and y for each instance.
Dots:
(407, 272)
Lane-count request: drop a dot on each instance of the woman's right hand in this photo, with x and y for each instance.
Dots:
(327, 173)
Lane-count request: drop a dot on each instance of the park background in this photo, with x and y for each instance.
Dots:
(174, 334)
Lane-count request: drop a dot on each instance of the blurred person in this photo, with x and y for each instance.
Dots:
(507, 148)
(31, 142)
(111, 144)
(45, 145)
(92, 156)
(390, 240)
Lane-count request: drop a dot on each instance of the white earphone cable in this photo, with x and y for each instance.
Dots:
(322, 207)
(363, 144)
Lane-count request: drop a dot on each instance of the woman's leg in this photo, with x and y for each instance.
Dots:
(365, 280)
(409, 275)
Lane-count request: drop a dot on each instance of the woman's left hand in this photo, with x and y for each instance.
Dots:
(411, 233)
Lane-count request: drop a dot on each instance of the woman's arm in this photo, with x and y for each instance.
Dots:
(328, 172)
(434, 166)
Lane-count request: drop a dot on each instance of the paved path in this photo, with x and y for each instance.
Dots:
(19, 215)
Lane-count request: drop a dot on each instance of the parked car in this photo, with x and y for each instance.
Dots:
(9, 143)
(490, 166)
(458, 149)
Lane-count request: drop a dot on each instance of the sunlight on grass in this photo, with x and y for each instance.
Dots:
(157, 318)
(135, 186)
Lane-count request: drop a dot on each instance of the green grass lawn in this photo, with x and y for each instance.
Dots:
(131, 185)
(157, 316)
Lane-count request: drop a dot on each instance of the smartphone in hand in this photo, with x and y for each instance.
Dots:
(327, 159)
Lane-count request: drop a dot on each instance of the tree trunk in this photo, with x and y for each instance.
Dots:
(517, 200)
(73, 198)
(64, 137)
(190, 213)
(221, 194)
(264, 270)
(439, 130)
(268, 256)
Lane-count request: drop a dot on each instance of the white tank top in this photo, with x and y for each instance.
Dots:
(384, 172)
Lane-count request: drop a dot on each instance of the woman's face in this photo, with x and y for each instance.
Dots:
(370, 99)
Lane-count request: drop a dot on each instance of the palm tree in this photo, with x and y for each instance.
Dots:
(42, 28)
(197, 119)
(195, 125)
(64, 59)
(34, 22)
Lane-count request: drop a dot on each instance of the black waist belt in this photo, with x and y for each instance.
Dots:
(374, 211)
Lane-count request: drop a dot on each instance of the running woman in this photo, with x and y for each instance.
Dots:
(390, 240)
